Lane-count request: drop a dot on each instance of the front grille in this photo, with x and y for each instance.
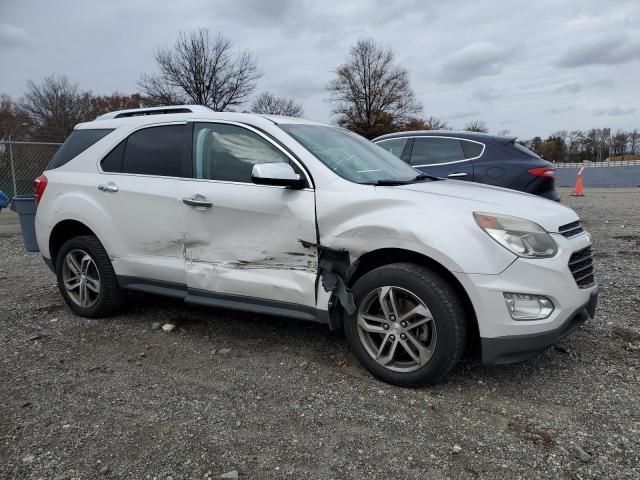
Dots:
(582, 268)
(571, 229)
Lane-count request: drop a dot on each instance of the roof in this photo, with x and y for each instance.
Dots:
(182, 113)
(479, 136)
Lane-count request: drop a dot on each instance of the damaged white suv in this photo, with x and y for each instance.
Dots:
(294, 218)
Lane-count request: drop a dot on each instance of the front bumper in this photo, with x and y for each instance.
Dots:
(516, 348)
(504, 339)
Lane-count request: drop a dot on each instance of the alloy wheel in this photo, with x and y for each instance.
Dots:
(397, 329)
(81, 278)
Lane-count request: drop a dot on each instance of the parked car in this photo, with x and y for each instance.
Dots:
(299, 219)
(476, 157)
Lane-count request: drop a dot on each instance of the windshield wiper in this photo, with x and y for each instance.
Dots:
(424, 176)
(392, 182)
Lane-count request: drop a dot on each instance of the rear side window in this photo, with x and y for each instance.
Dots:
(154, 151)
(113, 161)
(471, 149)
(76, 143)
(395, 145)
(434, 150)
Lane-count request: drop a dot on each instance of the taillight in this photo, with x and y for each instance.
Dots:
(39, 184)
(548, 172)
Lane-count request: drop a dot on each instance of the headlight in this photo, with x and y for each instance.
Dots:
(522, 237)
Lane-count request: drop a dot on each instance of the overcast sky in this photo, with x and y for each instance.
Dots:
(530, 67)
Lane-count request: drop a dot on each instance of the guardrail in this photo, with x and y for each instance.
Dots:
(605, 163)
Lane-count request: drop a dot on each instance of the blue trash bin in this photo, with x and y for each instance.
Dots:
(25, 207)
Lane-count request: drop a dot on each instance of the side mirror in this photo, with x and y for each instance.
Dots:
(278, 174)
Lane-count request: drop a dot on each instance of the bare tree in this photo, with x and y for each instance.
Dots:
(437, 123)
(270, 104)
(204, 70)
(476, 126)
(634, 141)
(55, 106)
(370, 94)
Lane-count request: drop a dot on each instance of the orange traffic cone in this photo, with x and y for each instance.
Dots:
(578, 192)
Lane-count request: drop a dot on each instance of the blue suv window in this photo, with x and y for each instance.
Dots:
(471, 149)
(434, 150)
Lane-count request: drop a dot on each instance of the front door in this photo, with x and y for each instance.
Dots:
(241, 238)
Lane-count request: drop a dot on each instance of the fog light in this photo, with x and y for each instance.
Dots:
(528, 307)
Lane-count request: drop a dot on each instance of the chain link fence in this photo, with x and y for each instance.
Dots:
(21, 163)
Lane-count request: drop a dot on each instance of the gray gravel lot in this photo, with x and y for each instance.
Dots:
(273, 398)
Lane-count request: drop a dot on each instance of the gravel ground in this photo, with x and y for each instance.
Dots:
(273, 398)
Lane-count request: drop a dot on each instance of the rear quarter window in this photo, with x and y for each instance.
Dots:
(471, 149)
(75, 144)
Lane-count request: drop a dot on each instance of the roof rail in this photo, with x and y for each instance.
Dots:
(135, 112)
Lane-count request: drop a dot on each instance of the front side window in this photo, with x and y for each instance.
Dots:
(434, 150)
(394, 145)
(228, 152)
(155, 151)
(350, 156)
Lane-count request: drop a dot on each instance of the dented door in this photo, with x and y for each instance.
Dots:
(241, 238)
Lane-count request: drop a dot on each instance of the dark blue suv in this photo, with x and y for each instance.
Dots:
(476, 157)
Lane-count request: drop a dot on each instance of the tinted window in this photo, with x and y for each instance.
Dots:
(227, 152)
(113, 161)
(395, 145)
(155, 151)
(428, 151)
(78, 142)
(471, 149)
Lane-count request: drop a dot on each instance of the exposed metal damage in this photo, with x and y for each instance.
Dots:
(333, 270)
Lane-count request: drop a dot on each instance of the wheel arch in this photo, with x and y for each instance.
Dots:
(385, 256)
(63, 231)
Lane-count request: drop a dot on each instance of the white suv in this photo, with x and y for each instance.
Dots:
(294, 218)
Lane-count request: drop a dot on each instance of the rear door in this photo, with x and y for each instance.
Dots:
(138, 187)
(445, 157)
(244, 239)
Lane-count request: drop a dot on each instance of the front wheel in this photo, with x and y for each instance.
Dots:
(409, 326)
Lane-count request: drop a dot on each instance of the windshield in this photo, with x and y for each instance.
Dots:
(351, 156)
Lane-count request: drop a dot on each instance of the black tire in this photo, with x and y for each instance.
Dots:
(110, 297)
(445, 307)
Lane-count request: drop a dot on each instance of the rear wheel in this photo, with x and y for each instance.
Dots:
(409, 327)
(86, 278)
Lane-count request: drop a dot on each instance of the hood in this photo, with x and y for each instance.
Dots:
(489, 199)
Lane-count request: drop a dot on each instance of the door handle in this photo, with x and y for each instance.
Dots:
(108, 187)
(457, 174)
(197, 201)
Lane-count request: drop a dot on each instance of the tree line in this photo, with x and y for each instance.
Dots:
(370, 94)
(594, 145)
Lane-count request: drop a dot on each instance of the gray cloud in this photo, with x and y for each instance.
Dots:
(485, 95)
(458, 115)
(475, 60)
(614, 111)
(12, 36)
(560, 110)
(570, 87)
(611, 49)
(602, 83)
(460, 60)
